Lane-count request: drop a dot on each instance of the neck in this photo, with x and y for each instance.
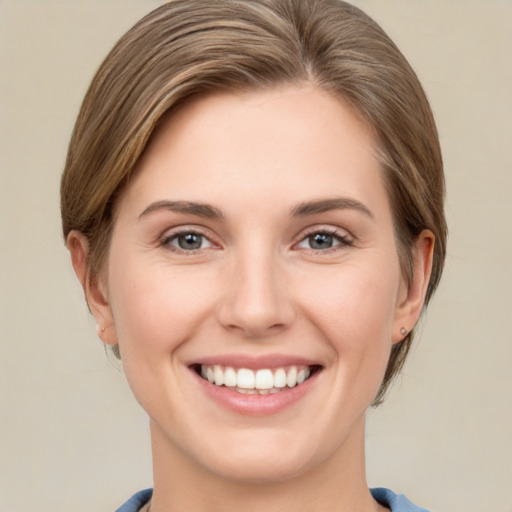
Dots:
(336, 484)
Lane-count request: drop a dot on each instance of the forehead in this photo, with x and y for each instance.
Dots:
(287, 143)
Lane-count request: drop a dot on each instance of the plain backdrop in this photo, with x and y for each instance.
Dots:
(71, 436)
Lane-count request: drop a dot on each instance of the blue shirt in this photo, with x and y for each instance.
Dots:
(395, 502)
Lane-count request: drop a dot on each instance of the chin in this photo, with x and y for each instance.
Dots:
(261, 470)
(261, 460)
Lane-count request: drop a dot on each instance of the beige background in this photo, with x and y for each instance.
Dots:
(71, 436)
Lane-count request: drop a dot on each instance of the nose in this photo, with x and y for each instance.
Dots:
(257, 302)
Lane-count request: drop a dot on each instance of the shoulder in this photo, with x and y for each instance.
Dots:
(395, 502)
(136, 502)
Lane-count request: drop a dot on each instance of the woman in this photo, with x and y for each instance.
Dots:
(253, 203)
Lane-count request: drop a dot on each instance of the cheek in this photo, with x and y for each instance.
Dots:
(156, 311)
(354, 311)
(354, 302)
(157, 308)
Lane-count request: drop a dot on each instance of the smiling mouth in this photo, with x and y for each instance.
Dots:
(263, 381)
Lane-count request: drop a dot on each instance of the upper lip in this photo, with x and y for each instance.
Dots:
(255, 362)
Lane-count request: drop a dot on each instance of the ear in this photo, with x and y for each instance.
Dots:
(94, 287)
(412, 298)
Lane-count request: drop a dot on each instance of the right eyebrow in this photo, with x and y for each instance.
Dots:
(325, 205)
(188, 207)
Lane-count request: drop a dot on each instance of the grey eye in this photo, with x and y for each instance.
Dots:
(321, 241)
(190, 241)
(324, 240)
(186, 241)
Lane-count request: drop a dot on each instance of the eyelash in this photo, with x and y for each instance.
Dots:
(167, 239)
(342, 241)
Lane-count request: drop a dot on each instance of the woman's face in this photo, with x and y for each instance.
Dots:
(253, 247)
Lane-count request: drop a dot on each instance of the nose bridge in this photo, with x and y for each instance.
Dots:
(256, 301)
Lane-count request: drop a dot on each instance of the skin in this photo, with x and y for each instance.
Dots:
(257, 286)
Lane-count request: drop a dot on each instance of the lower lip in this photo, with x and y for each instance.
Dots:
(256, 405)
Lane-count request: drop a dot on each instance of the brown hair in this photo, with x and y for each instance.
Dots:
(185, 48)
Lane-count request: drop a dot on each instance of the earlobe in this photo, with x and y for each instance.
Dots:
(411, 302)
(93, 286)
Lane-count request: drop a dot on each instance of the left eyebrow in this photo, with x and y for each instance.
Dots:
(187, 207)
(325, 205)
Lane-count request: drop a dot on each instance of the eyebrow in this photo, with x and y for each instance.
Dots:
(325, 205)
(188, 207)
(301, 210)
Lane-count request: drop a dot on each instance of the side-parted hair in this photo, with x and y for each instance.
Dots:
(187, 48)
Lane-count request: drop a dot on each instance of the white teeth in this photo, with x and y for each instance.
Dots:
(291, 378)
(219, 375)
(301, 377)
(247, 391)
(263, 381)
(229, 377)
(280, 378)
(245, 379)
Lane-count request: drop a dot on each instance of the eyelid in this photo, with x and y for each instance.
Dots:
(344, 237)
(173, 233)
